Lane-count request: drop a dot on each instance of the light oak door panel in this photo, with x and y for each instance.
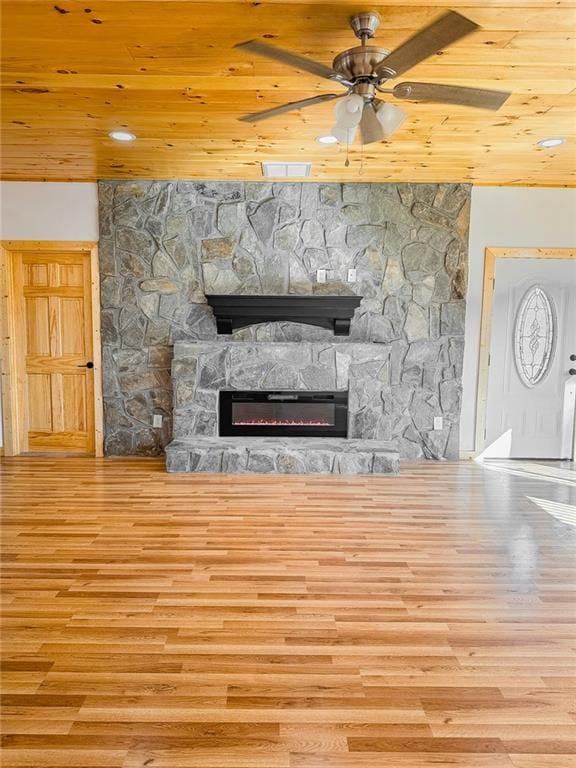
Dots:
(37, 325)
(74, 395)
(56, 310)
(39, 402)
(36, 275)
(72, 335)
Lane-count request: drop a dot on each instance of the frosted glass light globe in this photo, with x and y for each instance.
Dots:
(390, 117)
(348, 111)
(344, 135)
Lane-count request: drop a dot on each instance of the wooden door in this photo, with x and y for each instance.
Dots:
(54, 322)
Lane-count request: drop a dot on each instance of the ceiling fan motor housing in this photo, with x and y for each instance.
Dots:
(360, 61)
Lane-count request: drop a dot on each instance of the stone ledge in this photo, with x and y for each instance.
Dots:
(276, 455)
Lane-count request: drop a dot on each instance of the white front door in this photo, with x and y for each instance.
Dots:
(531, 393)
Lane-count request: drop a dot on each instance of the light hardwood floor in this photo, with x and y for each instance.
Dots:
(261, 622)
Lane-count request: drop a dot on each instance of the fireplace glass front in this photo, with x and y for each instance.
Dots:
(283, 413)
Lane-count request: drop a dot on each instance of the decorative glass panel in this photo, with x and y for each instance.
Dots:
(534, 336)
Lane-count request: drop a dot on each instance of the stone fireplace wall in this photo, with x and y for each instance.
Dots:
(164, 245)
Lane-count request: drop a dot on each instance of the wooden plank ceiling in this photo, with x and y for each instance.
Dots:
(168, 72)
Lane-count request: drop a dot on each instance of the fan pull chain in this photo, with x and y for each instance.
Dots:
(347, 161)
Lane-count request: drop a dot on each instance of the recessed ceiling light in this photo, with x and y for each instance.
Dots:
(327, 139)
(122, 135)
(548, 143)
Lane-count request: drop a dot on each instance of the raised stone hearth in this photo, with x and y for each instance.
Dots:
(277, 455)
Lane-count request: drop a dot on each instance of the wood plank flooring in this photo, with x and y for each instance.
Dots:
(165, 621)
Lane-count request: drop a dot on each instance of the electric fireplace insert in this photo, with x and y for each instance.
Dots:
(283, 413)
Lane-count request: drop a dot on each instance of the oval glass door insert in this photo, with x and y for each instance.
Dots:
(534, 336)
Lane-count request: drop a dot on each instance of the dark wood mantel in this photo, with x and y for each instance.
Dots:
(237, 311)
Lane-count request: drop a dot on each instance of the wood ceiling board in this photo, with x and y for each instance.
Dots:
(168, 71)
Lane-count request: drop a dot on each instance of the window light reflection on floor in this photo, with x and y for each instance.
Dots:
(566, 513)
(533, 470)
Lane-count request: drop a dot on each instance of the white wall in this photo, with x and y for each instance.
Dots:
(31, 210)
(500, 216)
(516, 217)
(47, 211)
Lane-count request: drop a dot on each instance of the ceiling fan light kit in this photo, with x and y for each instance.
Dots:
(348, 114)
(344, 135)
(364, 69)
(390, 117)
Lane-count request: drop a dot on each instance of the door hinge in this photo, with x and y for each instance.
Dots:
(489, 356)
(493, 283)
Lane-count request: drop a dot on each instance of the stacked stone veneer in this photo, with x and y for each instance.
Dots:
(365, 370)
(164, 245)
(200, 370)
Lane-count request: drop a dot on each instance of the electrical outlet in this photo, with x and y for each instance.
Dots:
(351, 275)
(320, 275)
(438, 423)
(157, 420)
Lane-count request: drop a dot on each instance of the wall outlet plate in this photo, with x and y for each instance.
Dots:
(352, 276)
(157, 420)
(321, 275)
(438, 423)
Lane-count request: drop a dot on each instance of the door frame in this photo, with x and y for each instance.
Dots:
(490, 256)
(11, 330)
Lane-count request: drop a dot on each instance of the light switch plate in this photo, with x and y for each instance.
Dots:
(321, 275)
(438, 423)
(157, 420)
(351, 275)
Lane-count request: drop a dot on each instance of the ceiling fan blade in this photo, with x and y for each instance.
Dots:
(451, 94)
(291, 59)
(370, 128)
(255, 117)
(440, 34)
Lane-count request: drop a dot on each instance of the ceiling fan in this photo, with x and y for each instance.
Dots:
(364, 69)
